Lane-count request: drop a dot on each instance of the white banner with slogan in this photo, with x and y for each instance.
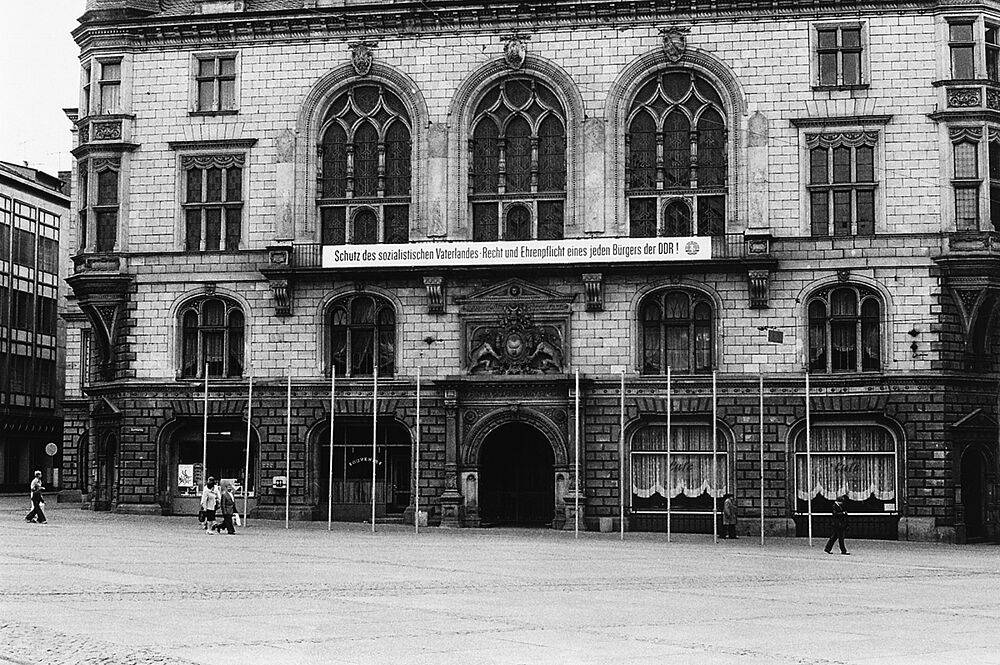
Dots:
(518, 252)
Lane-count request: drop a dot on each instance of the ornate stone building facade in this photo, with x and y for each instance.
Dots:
(499, 196)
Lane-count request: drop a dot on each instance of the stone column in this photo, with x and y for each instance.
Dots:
(451, 498)
(575, 492)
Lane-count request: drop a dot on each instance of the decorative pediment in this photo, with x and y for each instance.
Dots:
(975, 420)
(104, 408)
(516, 291)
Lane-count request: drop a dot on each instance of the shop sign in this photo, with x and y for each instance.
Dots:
(577, 251)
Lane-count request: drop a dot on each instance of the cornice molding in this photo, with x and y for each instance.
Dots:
(410, 18)
(843, 121)
(213, 144)
(103, 149)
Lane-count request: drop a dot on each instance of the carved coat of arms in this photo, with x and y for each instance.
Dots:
(674, 42)
(361, 57)
(515, 345)
(514, 52)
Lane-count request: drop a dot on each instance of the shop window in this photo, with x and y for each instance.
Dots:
(518, 152)
(692, 480)
(365, 168)
(676, 332)
(352, 466)
(854, 460)
(845, 330)
(212, 337)
(676, 157)
(226, 457)
(362, 336)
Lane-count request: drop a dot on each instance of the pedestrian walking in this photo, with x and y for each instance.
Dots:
(37, 513)
(839, 525)
(729, 516)
(227, 504)
(209, 503)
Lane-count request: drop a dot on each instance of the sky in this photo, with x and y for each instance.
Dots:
(39, 74)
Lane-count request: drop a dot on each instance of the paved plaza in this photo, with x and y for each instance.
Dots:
(100, 588)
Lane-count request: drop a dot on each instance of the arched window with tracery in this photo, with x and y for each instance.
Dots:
(362, 335)
(517, 153)
(676, 158)
(845, 324)
(676, 332)
(212, 337)
(365, 162)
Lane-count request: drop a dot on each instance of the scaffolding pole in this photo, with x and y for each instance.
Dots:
(809, 473)
(204, 437)
(288, 450)
(416, 466)
(761, 378)
(715, 464)
(669, 470)
(576, 460)
(374, 433)
(621, 461)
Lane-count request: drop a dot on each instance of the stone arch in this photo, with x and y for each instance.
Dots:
(321, 323)
(460, 113)
(681, 284)
(310, 121)
(490, 422)
(806, 292)
(173, 345)
(624, 89)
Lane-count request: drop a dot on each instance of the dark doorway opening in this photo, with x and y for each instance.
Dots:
(516, 478)
(974, 493)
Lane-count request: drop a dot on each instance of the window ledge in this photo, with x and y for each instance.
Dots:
(213, 113)
(943, 82)
(829, 88)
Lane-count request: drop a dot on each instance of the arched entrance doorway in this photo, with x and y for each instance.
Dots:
(516, 477)
(974, 492)
(351, 484)
(225, 455)
(106, 483)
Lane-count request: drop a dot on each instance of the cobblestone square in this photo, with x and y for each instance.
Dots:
(104, 588)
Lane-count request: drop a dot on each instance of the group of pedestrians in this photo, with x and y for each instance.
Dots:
(839, 513)
(218, 499)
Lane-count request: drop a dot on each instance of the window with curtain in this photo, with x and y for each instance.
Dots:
(845, 324)
(517, 152)
(213, 202)
(362, 335)
(109, 87)
(856, 460)
(364, 168)
(106, 206)
(842, 183)
(676, 159)
(691, 481)
(676, 332)
(212, 336)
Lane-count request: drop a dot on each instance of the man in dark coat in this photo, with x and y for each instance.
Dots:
(37, 500)
(839, 526)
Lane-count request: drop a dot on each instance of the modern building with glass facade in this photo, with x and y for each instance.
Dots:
(33, 209)
(504, 197)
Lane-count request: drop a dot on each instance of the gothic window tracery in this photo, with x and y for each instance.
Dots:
(365, 167)
(362, 335)
(676, 147)
(518, 153)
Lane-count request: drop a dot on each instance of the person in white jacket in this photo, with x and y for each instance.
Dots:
(209, 502)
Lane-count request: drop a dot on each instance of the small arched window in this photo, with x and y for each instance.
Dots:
(677, 332)
(212, 337)
(518, 151)
(365, 160)
(845, 330)
(362, 335)
(676, 147)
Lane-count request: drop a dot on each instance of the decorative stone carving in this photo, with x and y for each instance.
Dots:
(843, 276)
(973, 134)
(435, 294)
(515, 50)
(758, 244)
(515, 345)
(103, 298)
(993, 99)
(362, 57)
(838, 139)
(758, 282)
(674, 42)
(963, 97)
(594, 285)
(107, 130)
(282, 290)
